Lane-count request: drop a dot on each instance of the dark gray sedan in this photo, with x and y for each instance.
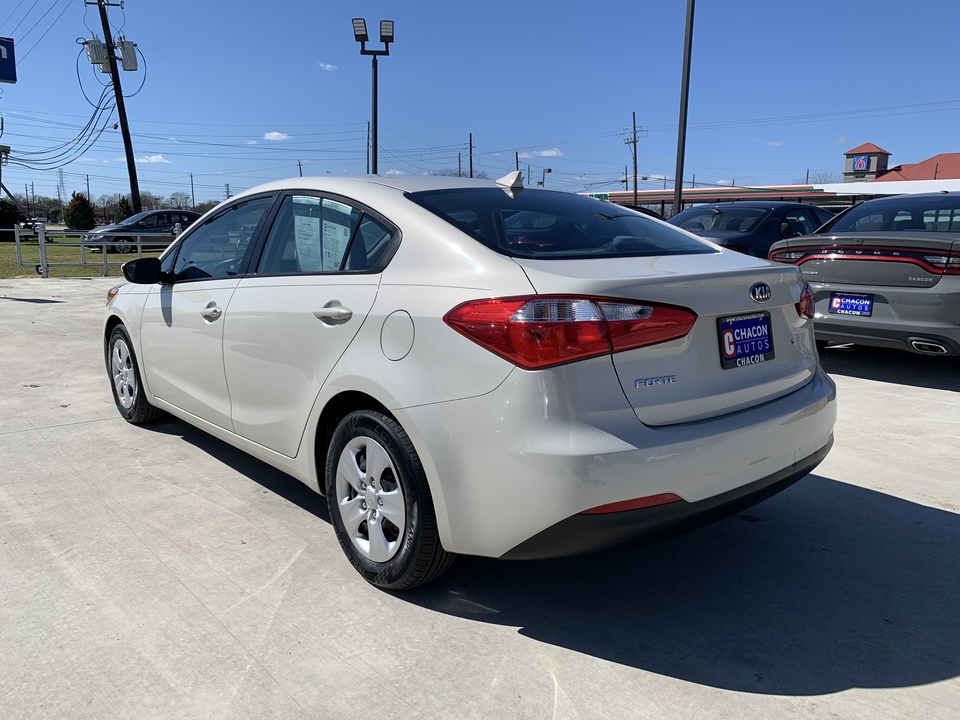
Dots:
(886, 273)
(153, 229)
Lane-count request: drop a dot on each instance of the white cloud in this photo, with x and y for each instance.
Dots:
(774, 143)
(251, 142)
(725, 182)
(326, 67)
(842, 139)
(555, 152)
(394, 172)
(153, 159)
(274, 135)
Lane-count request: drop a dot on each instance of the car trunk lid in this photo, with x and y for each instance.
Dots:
(696, 377)
(890, 259)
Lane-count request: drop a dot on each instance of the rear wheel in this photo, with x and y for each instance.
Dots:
(380, 503)
(125, 380)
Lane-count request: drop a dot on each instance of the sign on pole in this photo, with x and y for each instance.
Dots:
(8, 63)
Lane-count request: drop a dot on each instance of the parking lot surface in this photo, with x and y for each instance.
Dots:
(155, 572)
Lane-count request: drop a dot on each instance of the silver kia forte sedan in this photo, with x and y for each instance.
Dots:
(465, 366)
(886, 273)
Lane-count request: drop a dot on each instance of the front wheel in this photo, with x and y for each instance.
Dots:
(380, 503)
(123, 247)
(125, 379)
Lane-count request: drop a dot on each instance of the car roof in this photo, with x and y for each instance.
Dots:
(766, 204)
(347, 185)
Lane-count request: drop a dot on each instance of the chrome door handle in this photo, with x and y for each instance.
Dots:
(338, 314)
(212, 313)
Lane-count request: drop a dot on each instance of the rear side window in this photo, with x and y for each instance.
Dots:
(554, 225)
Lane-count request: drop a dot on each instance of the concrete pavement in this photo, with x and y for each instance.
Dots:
(159, 573)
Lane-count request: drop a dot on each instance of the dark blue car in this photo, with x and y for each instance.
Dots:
(751, 227)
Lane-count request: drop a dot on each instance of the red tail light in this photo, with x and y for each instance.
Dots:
(539, 331)
(806, 306)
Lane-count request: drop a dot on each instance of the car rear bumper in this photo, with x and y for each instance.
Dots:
(901, 317)
(587, 533)
(507, 466)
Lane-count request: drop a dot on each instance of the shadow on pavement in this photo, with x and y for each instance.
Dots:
(269, 477)
(892, 366)
(823, 588)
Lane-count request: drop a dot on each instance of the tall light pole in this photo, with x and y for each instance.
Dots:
(543, 178)
(684, 93)
(386, 37)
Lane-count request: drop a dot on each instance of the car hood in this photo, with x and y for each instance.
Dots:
(110, 229)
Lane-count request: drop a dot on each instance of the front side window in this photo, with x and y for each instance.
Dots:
(555, 225)
(216, 248)
(802, 221)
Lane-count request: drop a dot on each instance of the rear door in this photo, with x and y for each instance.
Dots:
(289, 323)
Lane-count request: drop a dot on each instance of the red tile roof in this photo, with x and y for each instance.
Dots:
(945, 166)
(867, 148)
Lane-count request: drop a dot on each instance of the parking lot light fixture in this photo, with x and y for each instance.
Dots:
(386, 37)
(360, 30)
(386, 31)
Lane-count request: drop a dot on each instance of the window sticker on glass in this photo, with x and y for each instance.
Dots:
(307, 229)
(336, 233)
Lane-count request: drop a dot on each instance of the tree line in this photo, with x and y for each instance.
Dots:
(79, 213)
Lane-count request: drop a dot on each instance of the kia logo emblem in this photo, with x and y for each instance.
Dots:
(760, 292)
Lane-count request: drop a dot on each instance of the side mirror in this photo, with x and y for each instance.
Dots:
(142, 271)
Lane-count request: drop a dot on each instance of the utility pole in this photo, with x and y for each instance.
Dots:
(193, 197)
(121, 108)
(88, 190)
(471, 154)
(459, 164)
(632, 141)
(300, 165)
(517, 154)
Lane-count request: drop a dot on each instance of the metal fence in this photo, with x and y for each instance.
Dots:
(92, 250)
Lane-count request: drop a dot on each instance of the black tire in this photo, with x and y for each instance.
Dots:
(125, 380)
(394, 545)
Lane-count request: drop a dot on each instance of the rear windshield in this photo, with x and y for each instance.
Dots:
(901, 213)
(546, 224)
(737, 219)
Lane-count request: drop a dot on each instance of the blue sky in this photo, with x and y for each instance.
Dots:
(238, 93)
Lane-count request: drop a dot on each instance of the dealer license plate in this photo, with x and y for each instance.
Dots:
(745, 340)
(850, 304)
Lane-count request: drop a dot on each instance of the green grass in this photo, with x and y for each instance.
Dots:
(30, 252)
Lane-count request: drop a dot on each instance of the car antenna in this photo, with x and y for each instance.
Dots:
(511, 183)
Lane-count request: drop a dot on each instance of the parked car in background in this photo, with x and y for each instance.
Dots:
(886, 273)
(751, 227)
(122, 237)
(401, 345)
